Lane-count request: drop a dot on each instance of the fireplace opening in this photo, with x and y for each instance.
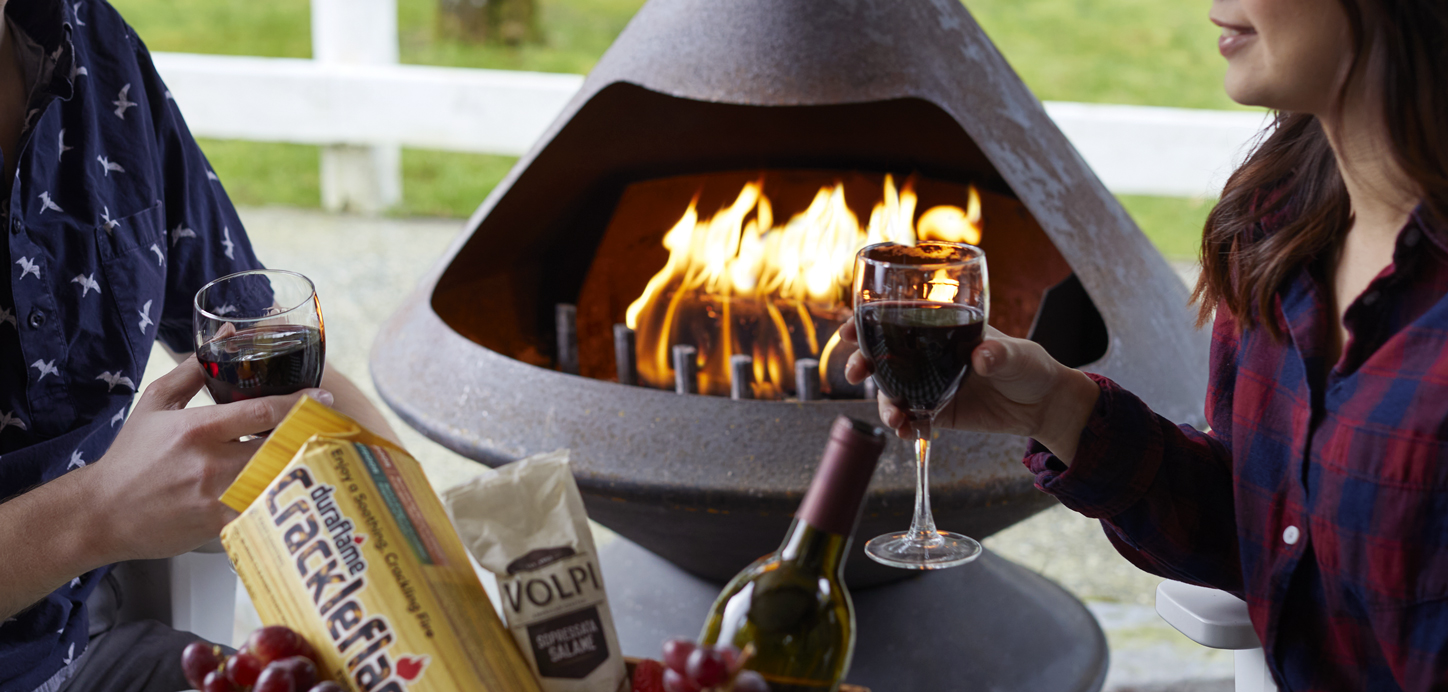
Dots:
(584, 224)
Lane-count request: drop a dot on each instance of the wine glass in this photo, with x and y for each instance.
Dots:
(920, 310)
(259, 333)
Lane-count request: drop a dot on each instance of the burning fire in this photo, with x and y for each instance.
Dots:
(738, 283)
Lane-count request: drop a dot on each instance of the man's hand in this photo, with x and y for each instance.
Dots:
(161, 479)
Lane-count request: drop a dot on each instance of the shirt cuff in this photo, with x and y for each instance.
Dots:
(1116, 460)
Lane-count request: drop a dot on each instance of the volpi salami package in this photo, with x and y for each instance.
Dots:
(526, 526)
(342, 539)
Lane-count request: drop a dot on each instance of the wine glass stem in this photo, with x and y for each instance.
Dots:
(922, 527)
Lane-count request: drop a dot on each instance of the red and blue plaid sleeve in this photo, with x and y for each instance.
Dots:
(1163, 492)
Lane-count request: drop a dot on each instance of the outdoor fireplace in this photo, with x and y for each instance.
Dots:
(694, 102)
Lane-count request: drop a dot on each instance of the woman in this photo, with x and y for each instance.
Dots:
(1321, 494)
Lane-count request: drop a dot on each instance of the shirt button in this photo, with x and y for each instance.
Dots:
(37, 318)
(1291, 535)
(1412, 236)
(1370, 298)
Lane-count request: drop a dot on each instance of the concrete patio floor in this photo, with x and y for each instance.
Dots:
(365, 267)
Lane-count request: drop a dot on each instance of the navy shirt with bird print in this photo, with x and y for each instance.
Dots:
(112, 223)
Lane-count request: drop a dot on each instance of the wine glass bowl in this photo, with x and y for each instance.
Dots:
(259, 333)
(920, 311)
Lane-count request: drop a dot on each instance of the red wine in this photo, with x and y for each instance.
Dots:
(263, 361)
(921, 350)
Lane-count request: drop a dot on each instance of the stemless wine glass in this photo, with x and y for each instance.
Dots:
(920, 310)
(259, 333)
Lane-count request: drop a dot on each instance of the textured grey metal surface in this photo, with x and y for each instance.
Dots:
(989, 625)
(683, 474)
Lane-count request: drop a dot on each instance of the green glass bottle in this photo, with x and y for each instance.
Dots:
(792, 604)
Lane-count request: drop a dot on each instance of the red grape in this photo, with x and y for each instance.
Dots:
(301, 669)
(326, 686)
(215, 682)
(750, 681)
(676, 653)
(731, 657)
(275, 642)
(275, 679)
(674, 681)
(707, 667)
(242, 668)
(198, 659)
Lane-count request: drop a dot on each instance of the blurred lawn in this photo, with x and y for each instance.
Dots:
(1149, 52)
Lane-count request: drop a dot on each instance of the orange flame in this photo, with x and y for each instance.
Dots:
(738, 284)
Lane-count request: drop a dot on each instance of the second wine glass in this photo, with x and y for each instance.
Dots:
(920, 311)
(259, 333)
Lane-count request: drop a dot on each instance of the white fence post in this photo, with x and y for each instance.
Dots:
(359, 178)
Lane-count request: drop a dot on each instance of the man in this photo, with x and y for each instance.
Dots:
(112, 220)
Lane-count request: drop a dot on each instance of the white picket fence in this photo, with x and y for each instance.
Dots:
(362, 106)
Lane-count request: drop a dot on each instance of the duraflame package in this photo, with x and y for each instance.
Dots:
(342, 539)
(525, 525)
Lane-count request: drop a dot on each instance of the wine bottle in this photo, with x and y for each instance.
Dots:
(792, 604)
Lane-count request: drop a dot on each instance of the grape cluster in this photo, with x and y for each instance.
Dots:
(274, 659)
(690, 667)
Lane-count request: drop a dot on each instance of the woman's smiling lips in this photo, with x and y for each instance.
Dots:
(1234, 37)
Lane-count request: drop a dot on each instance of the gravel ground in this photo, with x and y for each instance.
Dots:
(365, 267)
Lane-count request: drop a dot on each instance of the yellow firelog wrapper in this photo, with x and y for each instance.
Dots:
(342, 539)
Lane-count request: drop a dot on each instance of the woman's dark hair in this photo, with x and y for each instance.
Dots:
(1399, 46)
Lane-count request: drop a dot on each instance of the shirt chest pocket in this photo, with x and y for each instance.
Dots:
(133, 253)
(1384, 497)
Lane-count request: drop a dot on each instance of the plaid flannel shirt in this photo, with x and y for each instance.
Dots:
(1320, 496)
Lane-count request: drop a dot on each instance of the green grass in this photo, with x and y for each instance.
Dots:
(1147, 52)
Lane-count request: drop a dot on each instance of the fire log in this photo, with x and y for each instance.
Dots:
(807, 379)
(741, 377)
(686, 369)
(624, 356)
(565, 319)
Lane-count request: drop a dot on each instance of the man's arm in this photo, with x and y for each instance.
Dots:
(154, 494)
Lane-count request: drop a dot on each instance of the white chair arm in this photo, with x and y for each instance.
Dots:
(1206, 616)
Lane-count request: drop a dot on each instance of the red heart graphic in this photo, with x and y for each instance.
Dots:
(410, 667)
(358, 539)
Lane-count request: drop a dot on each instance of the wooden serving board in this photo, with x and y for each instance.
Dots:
(630, 662)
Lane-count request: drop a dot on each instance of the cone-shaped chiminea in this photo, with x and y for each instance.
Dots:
(698, 87)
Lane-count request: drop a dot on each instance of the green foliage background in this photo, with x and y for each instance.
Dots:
(1146, 52)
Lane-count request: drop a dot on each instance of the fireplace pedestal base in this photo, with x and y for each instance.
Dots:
(989, 625)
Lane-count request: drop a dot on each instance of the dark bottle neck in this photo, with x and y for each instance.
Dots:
(815, 549)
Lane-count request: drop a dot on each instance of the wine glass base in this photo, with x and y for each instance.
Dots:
(902, 551)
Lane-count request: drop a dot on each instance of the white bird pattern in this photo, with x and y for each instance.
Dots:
(10, 420)
(110, 224)
(8, 317)
(224, 310)
(145, 312)
(75, 463)
(76, 70)
(70, 655)
(45, 368)
(181, 231)
(120, 416)
(75, 9)
(122, 103)
(114, 378)
(226, 241)
(63, 147)
(87, 283)
(28, 267)
(160, 258)
(45, 203)
(106, 163)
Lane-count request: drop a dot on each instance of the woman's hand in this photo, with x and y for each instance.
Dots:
(159, 482)
(1014, 387)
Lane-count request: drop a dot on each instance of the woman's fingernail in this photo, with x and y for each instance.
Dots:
(323, 396)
